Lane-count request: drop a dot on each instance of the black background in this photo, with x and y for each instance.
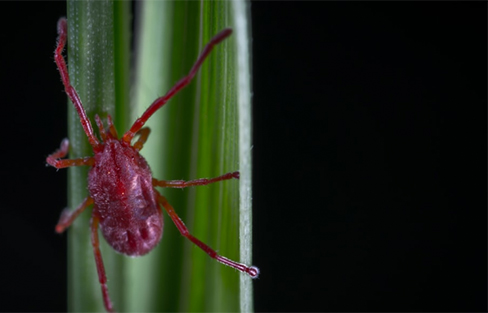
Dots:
(369, 157)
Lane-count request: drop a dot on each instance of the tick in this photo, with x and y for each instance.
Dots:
(126, 206)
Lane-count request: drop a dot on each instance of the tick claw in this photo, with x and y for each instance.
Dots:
(253, 272)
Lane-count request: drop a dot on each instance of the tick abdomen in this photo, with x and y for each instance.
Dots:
(124, 199)
(137, 239)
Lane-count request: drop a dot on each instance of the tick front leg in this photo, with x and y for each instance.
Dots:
(70, 90)
(102, 278)
(54, 159)
(144, 134)
(196, 182)
(111, 127)
(112, 133)
(250, 270)
(159, 102)
(101, 129)
(67, 216)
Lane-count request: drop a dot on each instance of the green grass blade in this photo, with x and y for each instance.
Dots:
(122, 37)
(243, 32)
(99, 80)
(197, 134)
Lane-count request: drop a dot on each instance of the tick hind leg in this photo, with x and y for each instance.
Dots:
(196, 182)
(55, 158)
(102, 278)
(250, 270)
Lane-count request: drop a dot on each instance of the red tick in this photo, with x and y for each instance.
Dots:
(126, 205)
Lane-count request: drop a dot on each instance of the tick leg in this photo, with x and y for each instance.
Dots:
(70, 90)
(101, 129)
(102, 278)
(159, 102)
(144, 133)
(196, 182)
(250, 270)
(111, 127)
(67, 216)
(62, 151)
(54, 159)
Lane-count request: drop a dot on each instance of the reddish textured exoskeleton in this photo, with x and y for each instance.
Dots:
(125, 204)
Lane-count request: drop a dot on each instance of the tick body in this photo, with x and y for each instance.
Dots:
(126, 205)
(125, 200)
